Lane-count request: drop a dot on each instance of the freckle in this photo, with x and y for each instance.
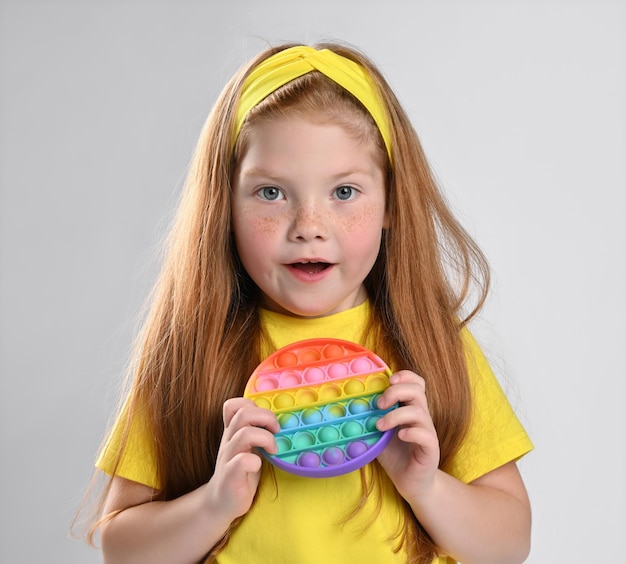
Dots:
(267, 225)
(360, 220)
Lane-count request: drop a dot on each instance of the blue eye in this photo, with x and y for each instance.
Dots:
(344, 192)
(270, 193)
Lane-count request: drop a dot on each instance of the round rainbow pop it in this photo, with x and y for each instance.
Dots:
(324, 393)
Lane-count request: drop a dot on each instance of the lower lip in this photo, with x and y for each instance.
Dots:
(309, 277)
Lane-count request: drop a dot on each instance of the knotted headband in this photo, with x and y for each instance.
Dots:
(287, 65)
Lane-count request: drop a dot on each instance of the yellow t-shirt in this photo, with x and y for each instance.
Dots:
(296, 519)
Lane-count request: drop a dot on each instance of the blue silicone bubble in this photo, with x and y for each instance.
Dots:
(324, 393)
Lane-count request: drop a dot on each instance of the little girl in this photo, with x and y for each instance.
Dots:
(310, 211)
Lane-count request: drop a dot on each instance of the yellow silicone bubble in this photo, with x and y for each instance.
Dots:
(263, 402)
(354, 387)
(305, 397)
(329, 392)
(282, 401)
(376, 384)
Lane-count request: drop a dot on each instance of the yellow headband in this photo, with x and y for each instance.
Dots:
(287, 65)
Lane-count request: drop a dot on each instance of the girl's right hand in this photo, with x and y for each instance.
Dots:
(238, 466)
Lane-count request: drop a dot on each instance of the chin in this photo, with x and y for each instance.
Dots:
(311, 310)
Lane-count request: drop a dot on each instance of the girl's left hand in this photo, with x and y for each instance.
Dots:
(411, 458)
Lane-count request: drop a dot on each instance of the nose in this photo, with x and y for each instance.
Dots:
(307, 224)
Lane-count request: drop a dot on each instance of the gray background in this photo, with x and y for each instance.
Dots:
(521, 109)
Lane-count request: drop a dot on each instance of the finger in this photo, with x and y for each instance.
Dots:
(247, 439)
(241, 412)
(247, 462)
(232, 406)
(406, 416)
(425, 438)
(409, 394)
(408, 377)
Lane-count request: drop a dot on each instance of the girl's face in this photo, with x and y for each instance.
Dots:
(308, 215)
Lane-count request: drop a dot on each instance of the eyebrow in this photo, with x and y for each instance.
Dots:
(258, 171)
(263, 173)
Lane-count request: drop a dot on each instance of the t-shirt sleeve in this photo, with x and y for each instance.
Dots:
(495, 435)
(138, 460)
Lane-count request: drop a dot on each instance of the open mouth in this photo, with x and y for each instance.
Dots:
(310, 267)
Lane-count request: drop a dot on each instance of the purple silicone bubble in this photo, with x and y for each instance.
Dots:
(314, 468)
(356, 449)
(309, 460)
(333, 456)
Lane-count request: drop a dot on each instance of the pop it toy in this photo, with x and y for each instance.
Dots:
(324, 394)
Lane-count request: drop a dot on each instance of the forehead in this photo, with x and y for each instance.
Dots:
(303, 141)
(293, 130)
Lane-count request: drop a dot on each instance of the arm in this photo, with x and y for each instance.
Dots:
(185, 529)
(485, 521)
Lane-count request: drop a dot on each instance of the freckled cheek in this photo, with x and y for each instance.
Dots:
(363, 221)
(255, 237)
(257, 225)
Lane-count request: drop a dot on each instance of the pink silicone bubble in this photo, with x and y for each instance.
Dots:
(309, 460)
(361, 365)
(266, 383)
(333, 455)
(314, 374)
(290, 379)
(338, 370)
